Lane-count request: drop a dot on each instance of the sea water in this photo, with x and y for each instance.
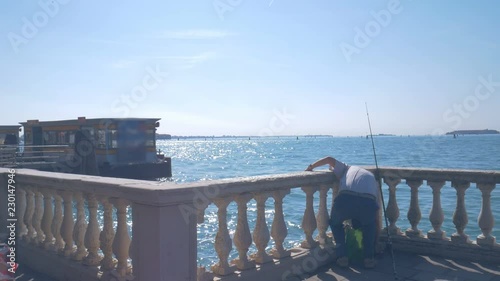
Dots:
(209, 159)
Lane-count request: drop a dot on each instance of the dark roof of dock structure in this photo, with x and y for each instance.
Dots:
(10, 127)
(80, 120)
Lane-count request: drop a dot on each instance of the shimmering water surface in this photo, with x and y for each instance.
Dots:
(200, 159)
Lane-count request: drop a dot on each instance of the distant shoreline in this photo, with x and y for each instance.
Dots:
(474, 132)
(168, 137)
(458, 132)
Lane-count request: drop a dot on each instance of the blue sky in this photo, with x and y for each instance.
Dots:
(242, 67)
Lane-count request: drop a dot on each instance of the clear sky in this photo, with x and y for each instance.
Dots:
(241, 67)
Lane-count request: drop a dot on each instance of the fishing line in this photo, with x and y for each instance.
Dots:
(379, 179)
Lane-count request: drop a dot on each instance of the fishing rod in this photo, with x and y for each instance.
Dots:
(379, 180)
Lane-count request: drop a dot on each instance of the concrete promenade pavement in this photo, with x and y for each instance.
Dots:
(410, 267)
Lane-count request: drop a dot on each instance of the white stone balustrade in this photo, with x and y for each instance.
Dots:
(414, 214)
(67, 223)
(278, 228)
(436, 216)
(37, 217)
(223, 243)
(392, 209)
(48, 215)
(28, 215)
(106, 236)
(261, 234)
(309, 220)
(58, 245)
(460, 217)
(485, 219)
(87, 220)
(79, 228)
(242, 237)
(92, 233)
(121, 241)
(22, 230)
(322, 217)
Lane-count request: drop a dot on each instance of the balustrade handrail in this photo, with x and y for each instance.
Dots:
(167, 193)
(432, 174)
(157, 194)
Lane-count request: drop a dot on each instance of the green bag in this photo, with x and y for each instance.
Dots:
(354, 242)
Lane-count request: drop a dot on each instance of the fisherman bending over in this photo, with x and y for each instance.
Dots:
(358, 200)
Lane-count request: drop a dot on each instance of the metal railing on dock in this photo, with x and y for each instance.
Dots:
(29, 155)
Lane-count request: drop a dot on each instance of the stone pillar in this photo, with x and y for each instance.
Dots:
(21, 210)
(261, 235)
(278, 228)
(28, 216)
(392, 211)
(106, 236)
(414, 214)
(309, 220)
(92, 234)
(436, 216)
(57, 222)
(37, 218)
(223, 244)
(242, 236)
(159, 252)
(79, 228)
(48, 214)
(67, 223)
(460, 218)
(121, 242)
(322, 216)
(485, 219)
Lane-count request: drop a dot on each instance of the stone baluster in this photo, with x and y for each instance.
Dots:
(436, 216)
(134, 241)
(67, 223)
(48, 214)
(92, 233)
(322, 216)
(242, 236)
(392, 210)
(223, 243)
(121, 242)
(309, 220)
(279, 230)
(485, 219)
(460, 218)
(28, 216)
(57, 222)
(414, 214)
(37, 218)
(261, 234)
(21, 211)
(79, 228)
(107, 235)
(200, 211)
